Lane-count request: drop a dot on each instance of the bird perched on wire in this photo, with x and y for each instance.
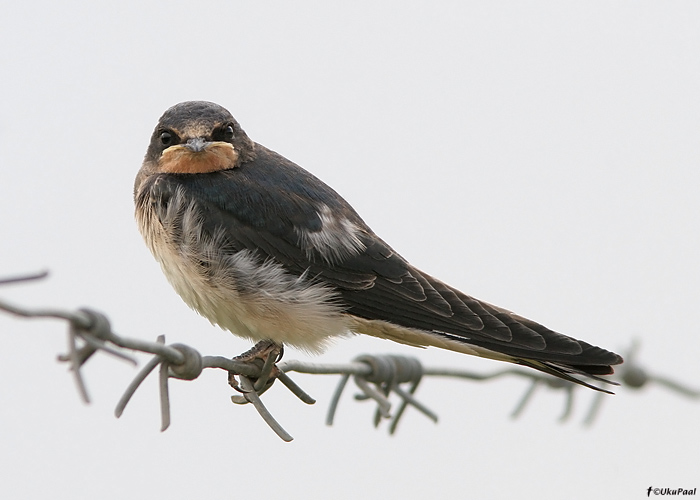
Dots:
(264, 249)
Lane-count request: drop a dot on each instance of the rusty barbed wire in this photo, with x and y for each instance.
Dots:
(376, 376)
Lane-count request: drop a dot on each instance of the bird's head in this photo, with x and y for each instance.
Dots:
(196, 137)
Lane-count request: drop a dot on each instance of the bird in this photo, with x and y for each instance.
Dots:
(264, 249)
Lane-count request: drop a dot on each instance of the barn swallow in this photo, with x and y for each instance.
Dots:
(264, 249)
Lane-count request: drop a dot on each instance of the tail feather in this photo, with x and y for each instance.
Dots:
(566, 372)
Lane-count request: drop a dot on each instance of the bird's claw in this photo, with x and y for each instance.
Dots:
(264, 355)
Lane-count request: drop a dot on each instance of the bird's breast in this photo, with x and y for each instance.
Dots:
(234, 288)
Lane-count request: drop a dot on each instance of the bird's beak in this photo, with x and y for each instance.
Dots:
(196, 145)
(198, 156)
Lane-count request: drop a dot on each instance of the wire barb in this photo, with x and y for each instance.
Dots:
(383, 376)
(26, 277)
(252, 397)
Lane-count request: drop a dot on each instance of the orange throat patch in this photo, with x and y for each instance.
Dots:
(182, 160)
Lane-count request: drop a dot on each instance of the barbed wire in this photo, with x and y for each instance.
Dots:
(376, 376)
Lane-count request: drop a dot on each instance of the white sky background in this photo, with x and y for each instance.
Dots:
(539, 155)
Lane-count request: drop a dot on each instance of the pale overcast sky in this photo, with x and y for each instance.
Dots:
(540, 155)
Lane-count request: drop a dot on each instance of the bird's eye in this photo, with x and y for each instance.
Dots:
(228, 133)
(166, 138)
(223, 133)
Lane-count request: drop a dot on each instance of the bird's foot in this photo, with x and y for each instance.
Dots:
(262, 350)
(264, 354)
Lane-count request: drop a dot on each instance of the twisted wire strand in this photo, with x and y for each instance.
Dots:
(378, 377)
